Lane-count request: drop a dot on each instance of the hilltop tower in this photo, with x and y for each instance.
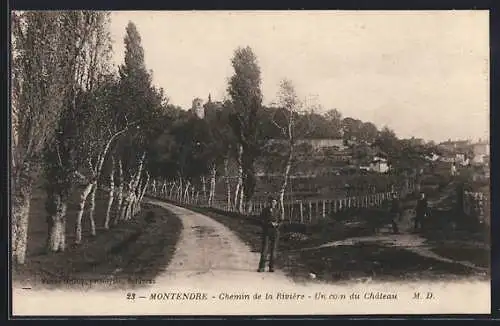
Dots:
(198, 108)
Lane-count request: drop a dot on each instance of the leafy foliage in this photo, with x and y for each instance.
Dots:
(246, 102)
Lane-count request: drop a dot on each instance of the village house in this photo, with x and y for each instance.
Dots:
(379, 164)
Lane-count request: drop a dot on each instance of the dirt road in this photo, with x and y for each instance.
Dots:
(208, 250)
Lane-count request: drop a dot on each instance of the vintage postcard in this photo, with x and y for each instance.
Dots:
(250, 163)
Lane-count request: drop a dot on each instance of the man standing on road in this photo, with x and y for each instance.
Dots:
(422, 211)
(271, 221)
(395, 213)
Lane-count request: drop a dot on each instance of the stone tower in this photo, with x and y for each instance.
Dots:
(198, 108)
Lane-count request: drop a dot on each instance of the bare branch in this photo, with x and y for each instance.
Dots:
(282, 129)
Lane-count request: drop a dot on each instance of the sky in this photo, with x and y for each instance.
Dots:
(423, 74)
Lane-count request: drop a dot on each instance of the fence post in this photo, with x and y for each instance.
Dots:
(301, 212)
(310, 212)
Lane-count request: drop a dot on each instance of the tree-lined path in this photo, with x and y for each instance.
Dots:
(209, 251)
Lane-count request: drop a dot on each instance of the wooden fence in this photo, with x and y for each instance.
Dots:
(297, 211)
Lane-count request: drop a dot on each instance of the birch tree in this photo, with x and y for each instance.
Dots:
(141, 102)
(79, 148)
(43, 67)
(246, 100)
(102, 132)
(288, 100)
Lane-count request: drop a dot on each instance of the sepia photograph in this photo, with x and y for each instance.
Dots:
(201, 163)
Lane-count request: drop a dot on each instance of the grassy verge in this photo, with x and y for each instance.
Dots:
(129, 253)
(478, 256)
(337, 264)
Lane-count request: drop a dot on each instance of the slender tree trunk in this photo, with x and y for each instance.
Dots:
(204, 188)
(179, 192)
(238, 194)
(186, 192)
(92, 209)
(136, 185)
(123, 209)
(128, 208)
(145, 187)
(119, 204)
(56, 223)
(129, 211)
(141, 190)
(286, 173)
(111, 194)
(79, 215)
(153, 188)
(228, 183)
(135, 199)
(171, 193)
(241, 199)
(213, 174)
(21, 198)
(128, 200)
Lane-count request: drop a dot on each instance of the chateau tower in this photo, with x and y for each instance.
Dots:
(198, 108)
